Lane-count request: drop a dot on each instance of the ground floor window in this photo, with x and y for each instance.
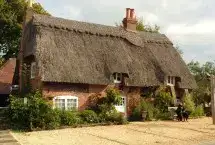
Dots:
(65, 102)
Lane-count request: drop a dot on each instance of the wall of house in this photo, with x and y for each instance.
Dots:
(86, 94)
(133, 99)
(82, 91)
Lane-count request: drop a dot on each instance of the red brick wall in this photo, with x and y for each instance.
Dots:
(133, 99)
(82, 91)
(85, 92)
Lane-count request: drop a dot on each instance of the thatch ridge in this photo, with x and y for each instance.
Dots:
(98, 29)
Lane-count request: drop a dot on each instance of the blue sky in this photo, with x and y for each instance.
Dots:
(190, 24)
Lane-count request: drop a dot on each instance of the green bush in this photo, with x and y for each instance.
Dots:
(112, 117)
(89, 116)
(37, 113)
(136, 113)
(198, 112)
(189, 104)
(117, 118)
(164, 116)
(147, 106)
(69, 118)
(52, 119)
(163, 100)
(18, 114)
(112, 97)
(144, 106)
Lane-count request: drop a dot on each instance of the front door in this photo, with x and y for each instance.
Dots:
(122, 106)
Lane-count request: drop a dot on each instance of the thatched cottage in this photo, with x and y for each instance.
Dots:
(71, 60)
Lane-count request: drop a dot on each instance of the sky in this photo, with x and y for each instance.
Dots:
(189, 24)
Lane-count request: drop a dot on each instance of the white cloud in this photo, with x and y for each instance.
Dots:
(203, 27)
(71, 12)
(164, 3)
(148, 17)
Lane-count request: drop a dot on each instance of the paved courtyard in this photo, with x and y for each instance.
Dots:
(6, 138)
(139, 133)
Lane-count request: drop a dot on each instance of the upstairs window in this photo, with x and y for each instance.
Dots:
(33, 70)
(117, 77)
(171, 81)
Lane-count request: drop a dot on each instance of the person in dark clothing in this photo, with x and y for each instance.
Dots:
(179, 112)
(185, 114)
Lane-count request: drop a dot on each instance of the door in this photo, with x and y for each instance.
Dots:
(122, 106)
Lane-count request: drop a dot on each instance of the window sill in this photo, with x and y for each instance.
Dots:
(117, 82)
(170, 84)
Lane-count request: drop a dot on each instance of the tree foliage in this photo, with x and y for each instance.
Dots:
(11, 17)
(203, 93)
(142, 26)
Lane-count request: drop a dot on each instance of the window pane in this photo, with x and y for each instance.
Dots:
(60, 103)
(71, 103)
(169, 79)
(114, 76)
(33, 69)
(172, 80)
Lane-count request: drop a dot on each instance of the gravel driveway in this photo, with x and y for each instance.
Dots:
(138, 133)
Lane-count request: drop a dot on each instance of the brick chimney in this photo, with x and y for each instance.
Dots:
(130, 21)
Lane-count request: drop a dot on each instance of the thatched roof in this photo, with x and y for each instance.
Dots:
(79, 52)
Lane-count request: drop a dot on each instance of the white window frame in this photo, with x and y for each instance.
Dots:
(33, 70)
(115, 76)
(171, 82)
(65, 98)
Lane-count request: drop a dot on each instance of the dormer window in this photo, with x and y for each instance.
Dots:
(171, 81)
(117, 77)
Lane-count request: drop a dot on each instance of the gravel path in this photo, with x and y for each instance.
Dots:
(138, 133)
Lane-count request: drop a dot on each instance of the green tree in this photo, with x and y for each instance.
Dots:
(203, 93)
(11, 17)
(141, 26)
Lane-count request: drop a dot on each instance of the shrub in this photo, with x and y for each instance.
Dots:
(164, 116)
(198, 112)
(136, 113)
(113, 117)
(52, 119)
(89, 116)
(37, 113)
(69, 118)
(117, 118)
(147, 106)
(112, 97)
(18, 113)
(189, 103)
(163, 100)
(144, 106)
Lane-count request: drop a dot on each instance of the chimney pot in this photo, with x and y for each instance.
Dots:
(130, 21)
(132, 13)
(127, 12)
